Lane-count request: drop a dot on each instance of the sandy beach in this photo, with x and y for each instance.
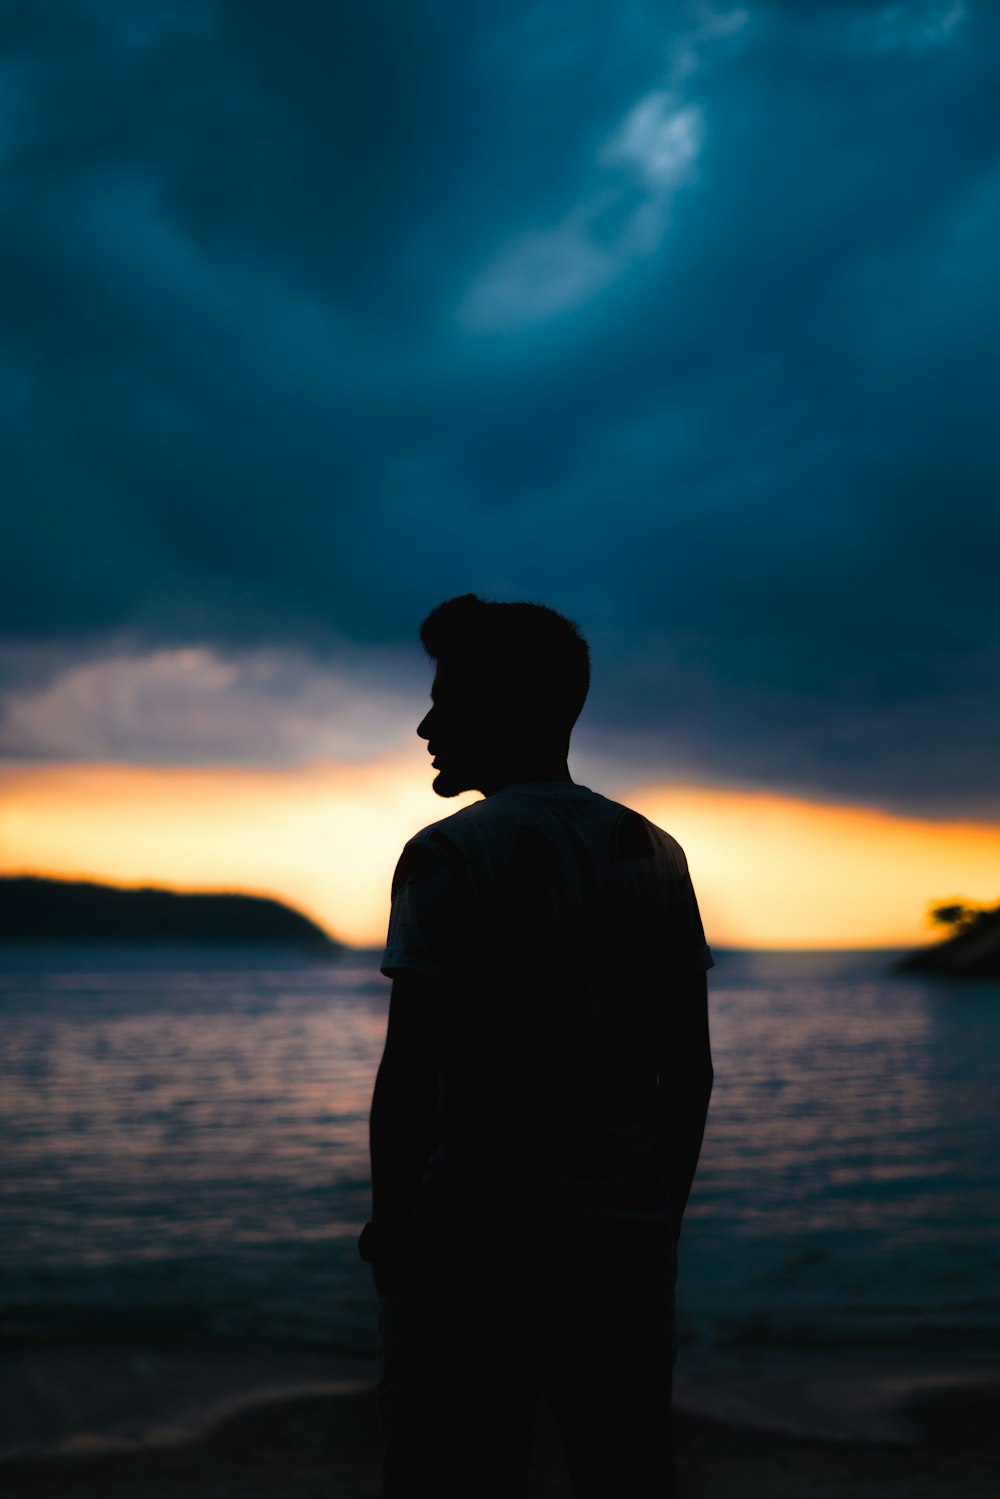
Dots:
(315, 1436)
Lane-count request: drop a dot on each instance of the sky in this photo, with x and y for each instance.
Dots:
(681, 319)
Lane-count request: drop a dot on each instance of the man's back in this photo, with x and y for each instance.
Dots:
(540, 1103)
(564, 929)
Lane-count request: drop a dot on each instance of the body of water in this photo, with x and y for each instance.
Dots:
(184, 1154)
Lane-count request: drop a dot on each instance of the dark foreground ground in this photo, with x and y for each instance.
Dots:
(326, 1447)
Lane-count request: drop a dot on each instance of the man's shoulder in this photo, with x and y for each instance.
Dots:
(665, 842)
(454, 831)
(635, 833)
(440, 845)
(494, 820)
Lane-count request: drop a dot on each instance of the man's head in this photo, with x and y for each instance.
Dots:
(509, 684)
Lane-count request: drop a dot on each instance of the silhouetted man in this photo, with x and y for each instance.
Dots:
(539, 1108)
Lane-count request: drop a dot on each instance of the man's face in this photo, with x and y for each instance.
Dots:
(463, 737)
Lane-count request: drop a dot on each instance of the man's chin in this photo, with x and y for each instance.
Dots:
(447, 785)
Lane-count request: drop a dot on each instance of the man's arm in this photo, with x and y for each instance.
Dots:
(684, 1086)
(401, 1128)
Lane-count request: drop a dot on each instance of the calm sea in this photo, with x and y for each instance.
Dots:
(183, 1151)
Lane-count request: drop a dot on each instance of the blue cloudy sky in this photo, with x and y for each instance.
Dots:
(682, 318)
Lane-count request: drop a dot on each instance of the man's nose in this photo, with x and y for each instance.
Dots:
(422, 727)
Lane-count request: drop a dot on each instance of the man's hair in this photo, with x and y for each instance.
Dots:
(524, 654)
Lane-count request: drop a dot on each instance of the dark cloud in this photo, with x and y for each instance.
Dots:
(680, 318)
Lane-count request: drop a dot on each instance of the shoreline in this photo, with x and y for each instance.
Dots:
(83, 1398)
(297, 1447)
(296, 1424)
(833, 1395)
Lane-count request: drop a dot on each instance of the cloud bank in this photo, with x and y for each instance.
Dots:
(681, 319)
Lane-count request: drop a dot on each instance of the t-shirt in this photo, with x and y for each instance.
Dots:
(560, 927)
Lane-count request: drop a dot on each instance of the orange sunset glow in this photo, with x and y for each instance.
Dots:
(771, 871)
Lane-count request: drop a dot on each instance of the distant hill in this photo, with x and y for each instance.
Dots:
(973, 952)
(40, 910)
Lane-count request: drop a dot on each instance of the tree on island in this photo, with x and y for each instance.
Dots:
(970, 950)
(960, 915)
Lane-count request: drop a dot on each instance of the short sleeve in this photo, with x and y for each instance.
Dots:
(428, 920)
(686, 933)
(692, 933)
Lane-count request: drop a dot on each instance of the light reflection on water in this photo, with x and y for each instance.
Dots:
(849, 1187)
(182, 1109)
(192, 1128)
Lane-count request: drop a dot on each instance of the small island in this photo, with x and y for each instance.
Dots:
(37, 910)
(972, 950)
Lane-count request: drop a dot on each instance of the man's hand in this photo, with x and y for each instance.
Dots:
(390, 1253)
(684, 1086)
(403, 1119)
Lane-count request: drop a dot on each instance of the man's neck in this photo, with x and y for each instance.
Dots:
(535, 770)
